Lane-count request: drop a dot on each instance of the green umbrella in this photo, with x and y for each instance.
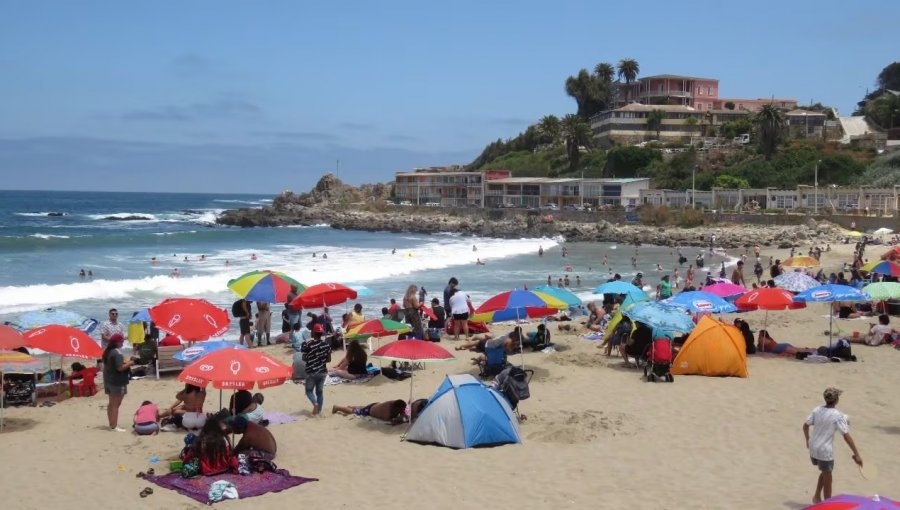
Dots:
(882, 291)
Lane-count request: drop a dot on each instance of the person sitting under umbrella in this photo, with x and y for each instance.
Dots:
(353, 365)
(766, 343)
(392, 411)
(210, 450)
(844, 310)
(247, 405)
(187, 411)
(256, 441)
(878, 333)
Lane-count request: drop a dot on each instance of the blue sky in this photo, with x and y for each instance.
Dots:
(263, 96)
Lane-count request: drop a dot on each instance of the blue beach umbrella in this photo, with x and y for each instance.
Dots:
(142, 316)
(830, 293)
(46, 317)
(361, 290)
(661, 317)
(697, 301)
(197, 351)
(565, 295)
(620, 287)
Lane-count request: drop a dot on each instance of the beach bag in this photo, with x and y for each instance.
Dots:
(237, 310)
(190, 469)
(396, 375)
(433, 334)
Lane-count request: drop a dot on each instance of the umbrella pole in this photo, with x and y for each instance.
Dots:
(830, 328)
(2, 399)
(409, 404)
(765, 327)
(521, 345)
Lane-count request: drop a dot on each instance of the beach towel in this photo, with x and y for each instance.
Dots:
(848, 319)
(247, 486)
(332, 380)
(593, 337)
(815, 358)
(277, 418)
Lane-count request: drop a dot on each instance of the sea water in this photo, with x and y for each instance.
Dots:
(41, 255)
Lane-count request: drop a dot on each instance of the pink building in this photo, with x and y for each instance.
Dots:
(698, 93)
(754, 105)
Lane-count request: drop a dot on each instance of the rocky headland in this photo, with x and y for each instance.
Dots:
(344, 207)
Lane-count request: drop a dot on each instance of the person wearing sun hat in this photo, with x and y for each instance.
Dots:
(825, 421)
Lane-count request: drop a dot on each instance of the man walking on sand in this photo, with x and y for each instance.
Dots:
(825, 421)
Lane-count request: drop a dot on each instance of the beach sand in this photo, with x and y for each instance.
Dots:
(596, 437)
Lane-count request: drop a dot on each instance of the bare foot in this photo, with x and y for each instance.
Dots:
(333, 409)
(315, 411)
(816, 500)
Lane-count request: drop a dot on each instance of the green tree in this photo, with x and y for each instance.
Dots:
(628, 160)
(736, 127)
(770, 125)
(628, 69)
(550, 129)
(889, 77)
(590, 94)
(729, 181)
(605, 72)
(729, 105)
(885, 111)
(655, 120)
(577, 133)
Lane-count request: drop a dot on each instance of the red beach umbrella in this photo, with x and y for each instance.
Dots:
(10, 338)
(768, 299)
(191, 319)
(322, 295)
(412, 350)
(63, 340)
(236, 369)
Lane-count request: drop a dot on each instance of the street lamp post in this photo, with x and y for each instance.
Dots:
(816, 183)
(694, 186)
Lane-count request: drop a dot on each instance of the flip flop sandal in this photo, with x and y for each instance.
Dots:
(146, 492)
(140, 474)
(151, 471)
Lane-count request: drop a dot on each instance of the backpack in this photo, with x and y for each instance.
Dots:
(513, 384)
(237, 309)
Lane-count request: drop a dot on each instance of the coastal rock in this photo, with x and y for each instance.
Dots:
(130, 217)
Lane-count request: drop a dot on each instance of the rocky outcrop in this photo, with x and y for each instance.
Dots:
(130, 217)
(345, 207)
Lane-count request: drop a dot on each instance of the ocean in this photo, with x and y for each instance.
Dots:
(47, 238)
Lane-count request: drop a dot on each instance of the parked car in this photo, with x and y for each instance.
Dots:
(550, 206)
(432, 204)
(406, 203)
(574, 207)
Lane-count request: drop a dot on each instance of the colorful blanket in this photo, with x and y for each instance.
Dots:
(248, 486)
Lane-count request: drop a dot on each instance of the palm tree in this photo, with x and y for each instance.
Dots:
(549, 127)
(576, 132)
(655, 119)
(770, 125)
(605, 72)
(628, 69)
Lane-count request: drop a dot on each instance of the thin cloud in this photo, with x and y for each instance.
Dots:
(190, 65)
(357, 126)
(227, 108)
(311, 136)
(402, 138)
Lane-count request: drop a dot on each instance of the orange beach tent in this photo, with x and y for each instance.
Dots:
(712, 349)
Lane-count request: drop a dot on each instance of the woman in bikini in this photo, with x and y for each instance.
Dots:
(766, 343)
(353, 365)
(392, 411)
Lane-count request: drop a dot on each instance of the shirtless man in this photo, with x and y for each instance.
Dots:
(254, 438)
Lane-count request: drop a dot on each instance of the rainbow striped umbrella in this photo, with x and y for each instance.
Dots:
(266, 286)
(518, 304)
(15, 362)
(377, 328)
(885, 267)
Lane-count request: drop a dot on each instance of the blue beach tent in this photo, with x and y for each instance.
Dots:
(464, 413)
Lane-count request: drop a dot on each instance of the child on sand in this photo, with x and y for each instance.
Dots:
(146, 419)
(825, 421)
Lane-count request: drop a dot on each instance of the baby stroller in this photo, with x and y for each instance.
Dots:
(512, 382)
(657, 361)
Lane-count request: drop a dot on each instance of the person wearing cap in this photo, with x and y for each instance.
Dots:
(115, 378)
(316, 353)
(825, 420)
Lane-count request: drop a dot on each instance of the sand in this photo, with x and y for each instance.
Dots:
(596, 437)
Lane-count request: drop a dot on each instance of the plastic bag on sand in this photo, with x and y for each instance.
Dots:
(222, 489)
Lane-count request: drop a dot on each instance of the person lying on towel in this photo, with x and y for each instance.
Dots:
(392, 411)
(766, 343)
